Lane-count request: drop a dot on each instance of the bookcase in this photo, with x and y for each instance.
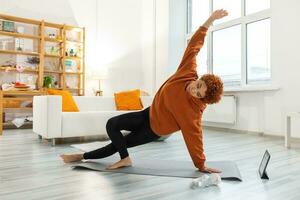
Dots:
(37, 54)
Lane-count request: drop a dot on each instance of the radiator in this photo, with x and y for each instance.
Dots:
(222, 112)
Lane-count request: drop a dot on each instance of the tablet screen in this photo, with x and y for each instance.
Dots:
(264, 162)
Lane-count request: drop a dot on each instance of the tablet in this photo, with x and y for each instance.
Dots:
(263, 165)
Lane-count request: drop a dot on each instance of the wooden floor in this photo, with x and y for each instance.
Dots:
(31, 169)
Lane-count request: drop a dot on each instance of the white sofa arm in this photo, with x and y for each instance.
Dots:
(47, 116)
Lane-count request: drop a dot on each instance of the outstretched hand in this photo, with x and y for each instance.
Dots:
(210, 170)
(218, 14)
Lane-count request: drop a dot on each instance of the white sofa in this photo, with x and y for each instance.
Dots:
(50, 122)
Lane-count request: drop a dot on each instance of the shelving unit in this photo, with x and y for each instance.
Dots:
(61, 55)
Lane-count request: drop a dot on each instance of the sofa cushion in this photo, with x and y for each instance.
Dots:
(129, 100)
(68, 103)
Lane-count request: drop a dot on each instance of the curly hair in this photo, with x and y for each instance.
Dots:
(214, 88)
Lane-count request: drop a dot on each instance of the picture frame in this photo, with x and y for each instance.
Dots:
(263, 165)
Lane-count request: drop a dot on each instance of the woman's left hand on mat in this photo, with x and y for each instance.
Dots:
(210, 170)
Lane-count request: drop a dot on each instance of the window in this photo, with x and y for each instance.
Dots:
(198, 12)
(238, 46)
(227, 54)
(202, 60)
(258, 51)
(232, 6)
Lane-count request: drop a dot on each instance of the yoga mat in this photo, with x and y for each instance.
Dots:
(170, 168)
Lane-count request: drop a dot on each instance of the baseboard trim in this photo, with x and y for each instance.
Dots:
(230, 130)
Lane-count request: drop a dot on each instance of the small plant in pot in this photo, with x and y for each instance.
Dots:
(48, 80)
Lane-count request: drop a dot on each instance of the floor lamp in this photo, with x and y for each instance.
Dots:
(99, 76)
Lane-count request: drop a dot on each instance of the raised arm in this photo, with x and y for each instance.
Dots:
(189, 58)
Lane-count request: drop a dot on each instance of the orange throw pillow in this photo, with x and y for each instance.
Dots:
(128, 100)
(68, 103)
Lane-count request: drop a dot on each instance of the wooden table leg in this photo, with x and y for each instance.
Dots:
(288, 132)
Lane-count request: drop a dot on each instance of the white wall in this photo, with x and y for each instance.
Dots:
(161, 41)
(119, 46)
(148, 46)
(133, 44)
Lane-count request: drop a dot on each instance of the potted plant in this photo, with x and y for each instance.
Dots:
(48, 81)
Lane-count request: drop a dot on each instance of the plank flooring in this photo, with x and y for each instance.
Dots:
(31, 169)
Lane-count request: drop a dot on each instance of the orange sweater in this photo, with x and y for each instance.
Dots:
(174, 109)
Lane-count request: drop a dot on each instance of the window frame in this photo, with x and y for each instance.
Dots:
(243, 21)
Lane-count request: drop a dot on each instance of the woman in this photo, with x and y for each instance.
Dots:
(178, 105)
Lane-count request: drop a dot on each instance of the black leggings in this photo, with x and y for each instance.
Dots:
(137, 123)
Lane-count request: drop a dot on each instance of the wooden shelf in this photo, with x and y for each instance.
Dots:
(54, 72)
(19, 52)
(74, 89)
(73, 73)
(22, 93)
(69, 88)
(74, 42)
(47, 39)
(16, 109)
(54, 56)
(53, 25)
(17, 99)
(19, 35)
(15, 70)
(73, 57)
(72, 28)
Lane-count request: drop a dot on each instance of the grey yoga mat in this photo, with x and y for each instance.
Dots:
(184, 169)
(171, 168)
